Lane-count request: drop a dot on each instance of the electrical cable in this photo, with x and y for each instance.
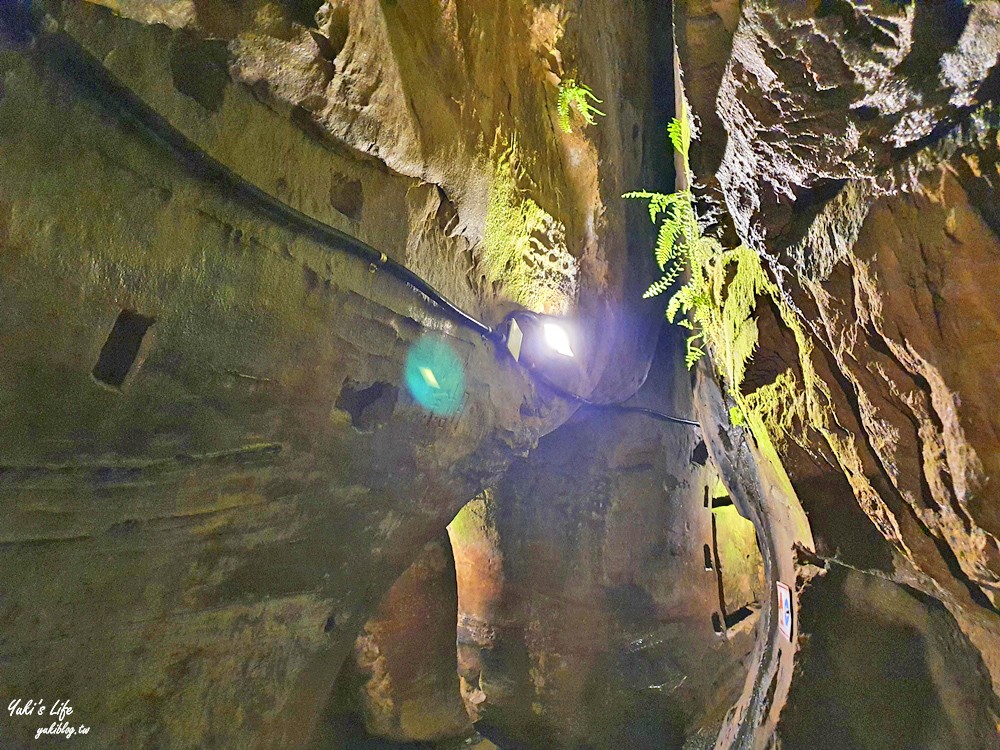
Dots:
(618, 406)
(81, 67)
(613, 406)
(87, 72)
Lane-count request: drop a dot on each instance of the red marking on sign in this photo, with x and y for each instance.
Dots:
(785, 611)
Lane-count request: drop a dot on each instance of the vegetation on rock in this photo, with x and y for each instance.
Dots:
(578, 96)
(524, 248)
(716, 302)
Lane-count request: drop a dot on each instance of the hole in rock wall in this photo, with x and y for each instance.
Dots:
(739, 565)
(334, 27)
(717, 623)
(370, 406)
(700, 454)
(200, 69)
(735, 618)
(347, 196)
(304, 11)
(122, 347)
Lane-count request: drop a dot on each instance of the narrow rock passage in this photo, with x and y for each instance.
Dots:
(339, 408)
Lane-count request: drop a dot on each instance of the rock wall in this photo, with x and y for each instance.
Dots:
(212, 467)
(192, 552)
(859, 158)
(458, 100)
(402, 682)
(600, 618)
(865, 631)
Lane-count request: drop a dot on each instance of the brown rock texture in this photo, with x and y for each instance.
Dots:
(218, 486)
(860, 160)
(197, 529)
(456, 103)
(192, 553)
(479, 569)
(606, 624)
(863, 631)
(404, 673)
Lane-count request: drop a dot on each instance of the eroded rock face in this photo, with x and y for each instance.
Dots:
(198, 528)
(459, 99)
(194, 545)
(402, 681)
(818, 92)
(862, 630)
(861, 162)
(606, 626)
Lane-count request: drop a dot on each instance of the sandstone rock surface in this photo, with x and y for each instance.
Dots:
(859, 159)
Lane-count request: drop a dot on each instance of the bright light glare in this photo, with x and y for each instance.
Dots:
(556, 337)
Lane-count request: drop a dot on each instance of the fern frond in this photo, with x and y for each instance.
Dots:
(694, 353)
(657, 288)
(578, 96)
(679, 131)
(659, 203)
(562, 107)
(666, 242)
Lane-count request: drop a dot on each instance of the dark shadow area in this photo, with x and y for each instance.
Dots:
(631, 604)
(370, 406)
(937, 27)
(700, 454)
(840, 528)
(200, 68)
(347, 196)
(735, 618)
(883, 669)
(122, 347)
(303, 11)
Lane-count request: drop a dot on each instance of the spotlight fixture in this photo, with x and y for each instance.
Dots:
(515, 337)
(539, 335)
(557, 339)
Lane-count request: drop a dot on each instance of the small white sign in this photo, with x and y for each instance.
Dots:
(785, 611)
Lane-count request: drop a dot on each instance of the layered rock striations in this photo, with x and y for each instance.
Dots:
(213, 468)
(860, 160)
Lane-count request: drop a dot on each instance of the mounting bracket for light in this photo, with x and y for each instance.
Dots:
(515, 337)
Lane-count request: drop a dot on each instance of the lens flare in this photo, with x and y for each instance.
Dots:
(434, 376)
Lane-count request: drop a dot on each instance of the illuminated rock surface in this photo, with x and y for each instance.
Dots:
(226, 476)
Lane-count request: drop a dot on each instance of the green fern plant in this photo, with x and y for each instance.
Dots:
(679, 131)
(578, 96)
(716, 301)
(678, 229)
